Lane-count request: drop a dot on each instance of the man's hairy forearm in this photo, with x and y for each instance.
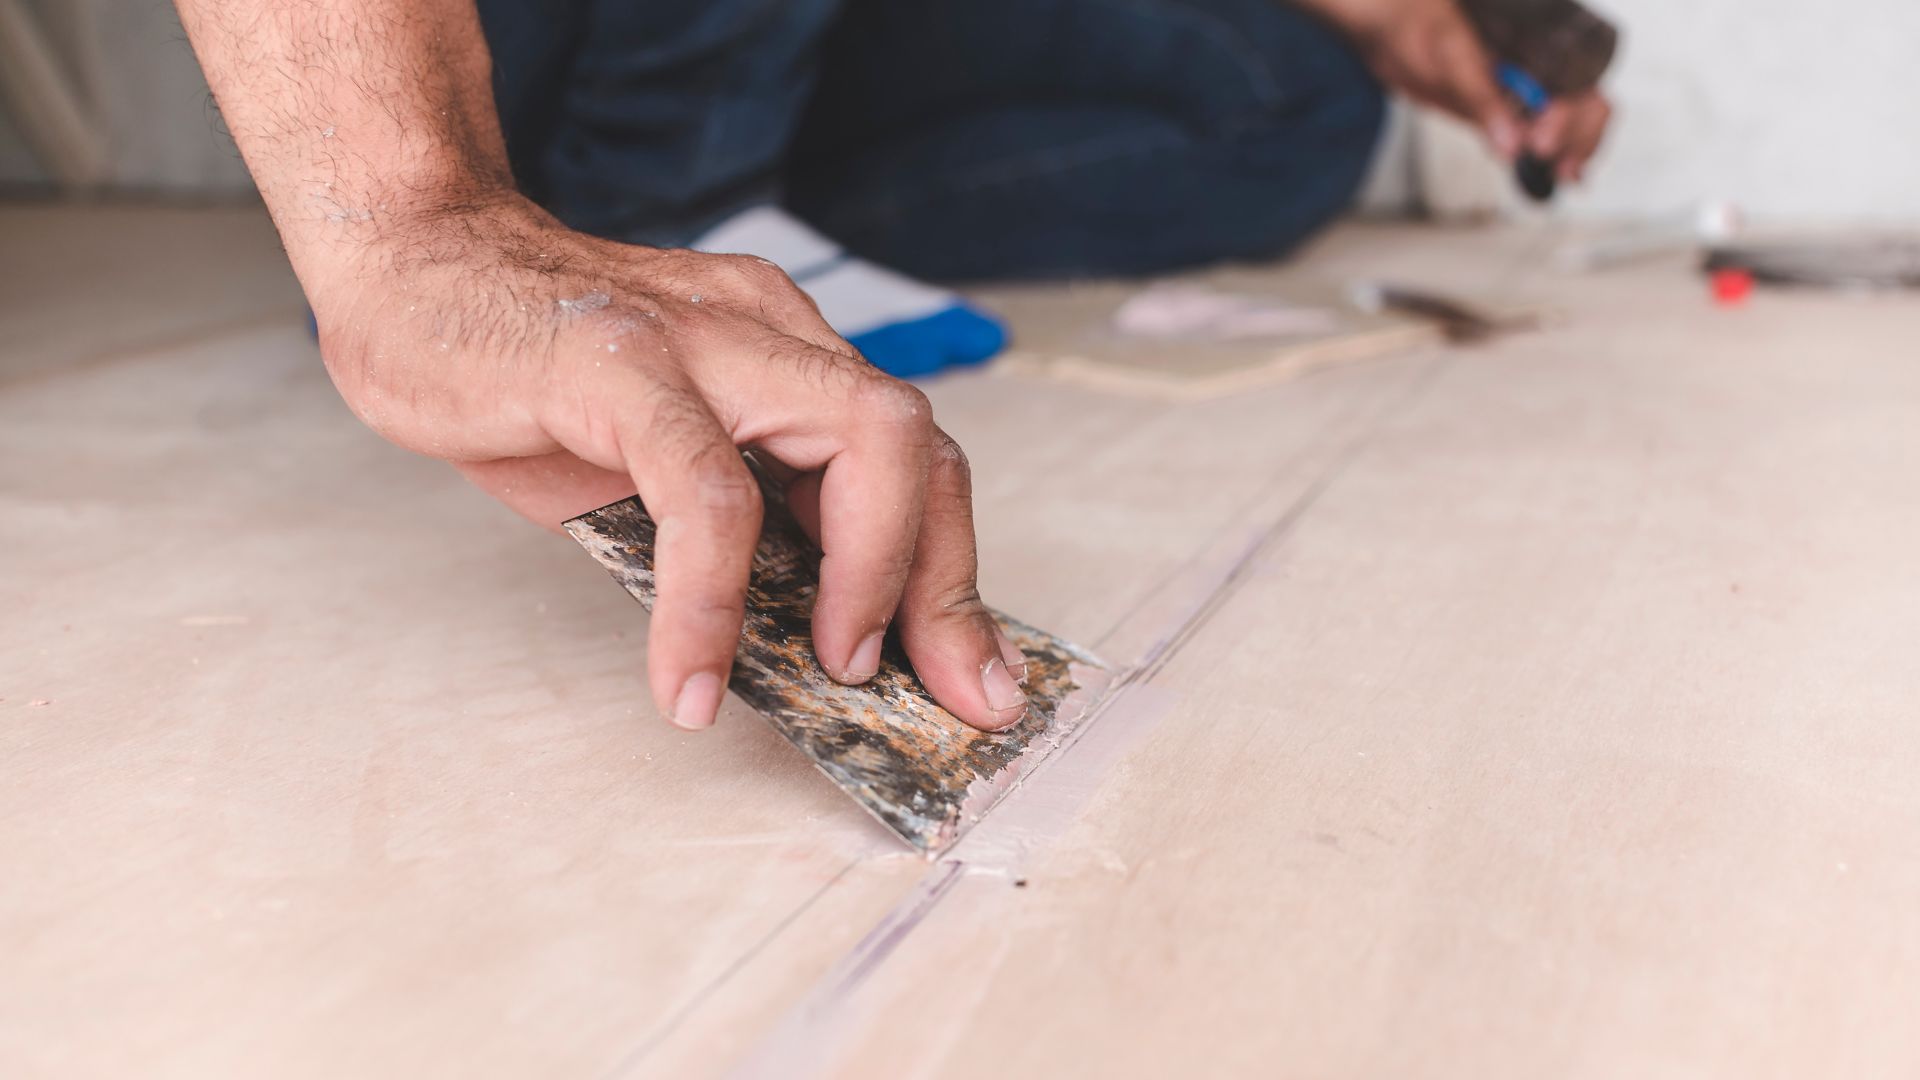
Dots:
(357, 118)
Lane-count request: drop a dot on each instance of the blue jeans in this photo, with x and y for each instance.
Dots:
(953, 139)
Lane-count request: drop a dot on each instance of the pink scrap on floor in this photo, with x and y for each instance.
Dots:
(1197, 313)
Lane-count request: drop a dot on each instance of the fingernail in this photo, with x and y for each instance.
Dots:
(1004, 696)
(866, 659)
(1016, 660)
(698, 702)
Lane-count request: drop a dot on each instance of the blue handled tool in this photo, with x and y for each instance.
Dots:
(1535, 174)
(1551, 49)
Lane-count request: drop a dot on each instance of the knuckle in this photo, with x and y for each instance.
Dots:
(952, 462)
(686, 438)
(681, 425)
(756, 275)
(959, 601)
(894, 403)
(719, 605)
(723, 485)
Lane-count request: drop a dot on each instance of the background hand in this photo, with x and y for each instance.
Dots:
(1429, 51)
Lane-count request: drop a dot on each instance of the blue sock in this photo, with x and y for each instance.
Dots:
(904, 327)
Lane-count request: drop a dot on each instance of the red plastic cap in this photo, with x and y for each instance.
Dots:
(1731, 287)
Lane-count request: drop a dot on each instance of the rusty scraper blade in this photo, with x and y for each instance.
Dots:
(916, 767)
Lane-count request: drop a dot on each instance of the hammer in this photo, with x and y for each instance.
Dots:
(1546, 49)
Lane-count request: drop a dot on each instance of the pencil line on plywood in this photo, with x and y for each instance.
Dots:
(802, 1042)
(111, 355)
(654, 1038)
(1261, 536)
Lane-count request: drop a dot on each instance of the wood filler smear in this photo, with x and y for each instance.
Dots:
(921, 771)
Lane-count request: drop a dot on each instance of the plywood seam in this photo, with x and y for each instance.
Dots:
(808, 1029)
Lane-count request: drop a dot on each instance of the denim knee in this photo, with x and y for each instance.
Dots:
(1314, 155)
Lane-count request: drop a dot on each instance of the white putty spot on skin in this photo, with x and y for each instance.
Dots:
(612, 347)
(593, 301)
(694, 299)
(327, 132)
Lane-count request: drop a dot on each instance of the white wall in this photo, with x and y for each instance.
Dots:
(159, 113)
(131, 60)
(1803, 110)
(1794, 109)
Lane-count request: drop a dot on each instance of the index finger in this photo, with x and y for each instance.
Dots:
(706, 510)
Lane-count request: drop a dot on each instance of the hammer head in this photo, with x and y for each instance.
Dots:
(1564, 46)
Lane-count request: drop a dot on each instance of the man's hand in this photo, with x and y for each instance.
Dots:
(1429, 51)
(562, 372)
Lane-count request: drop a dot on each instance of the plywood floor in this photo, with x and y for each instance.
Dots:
(1543, 709)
